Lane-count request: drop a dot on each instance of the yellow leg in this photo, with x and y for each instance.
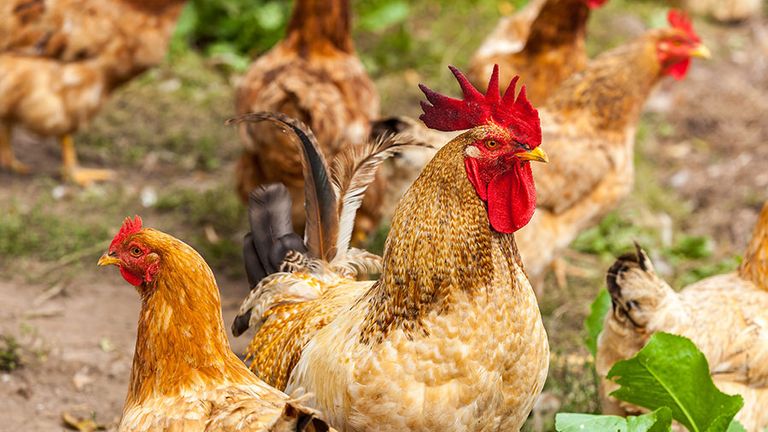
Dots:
(7, 159)
(71, 171)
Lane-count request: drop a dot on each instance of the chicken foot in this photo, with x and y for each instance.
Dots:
(71, 170)
(8, 160)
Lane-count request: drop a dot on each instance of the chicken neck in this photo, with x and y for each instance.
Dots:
(181, 343)
(320, 27)
(613, 88)
(440, 241)
(558, 23)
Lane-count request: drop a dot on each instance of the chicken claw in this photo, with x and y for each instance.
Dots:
(71, 171)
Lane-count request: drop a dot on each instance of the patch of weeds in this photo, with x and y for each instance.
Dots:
(706, 270)
(217, 209)
(613, 236)
(10, 355)
(35, 232)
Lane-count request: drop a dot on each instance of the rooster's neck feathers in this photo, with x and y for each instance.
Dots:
(320, 27)
(440, 241)
(180, 309)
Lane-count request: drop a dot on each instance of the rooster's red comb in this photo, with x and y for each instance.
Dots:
(476, 109)
(130, 227)
(680, 20)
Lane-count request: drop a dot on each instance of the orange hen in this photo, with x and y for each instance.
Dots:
(185, 377)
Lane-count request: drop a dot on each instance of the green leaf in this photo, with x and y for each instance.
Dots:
(735, 426)
(593, 324)
(387, 14)
(671, 372)
(657, 421)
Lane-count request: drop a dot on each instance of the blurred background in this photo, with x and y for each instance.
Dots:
(67, 330)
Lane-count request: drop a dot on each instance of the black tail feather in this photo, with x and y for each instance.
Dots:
(271, 236)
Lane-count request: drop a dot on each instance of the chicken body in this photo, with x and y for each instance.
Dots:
(589, 129)
(62, 59)
(543, 43)
(452, 326)
(184, 375)
(725, 316)
(312, 75)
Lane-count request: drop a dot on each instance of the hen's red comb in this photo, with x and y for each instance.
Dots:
(129, 227)
(594, 4)
(476, 109)
(680, 20)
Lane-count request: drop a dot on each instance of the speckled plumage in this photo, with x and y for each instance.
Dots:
(312, 75)
(726, 316)
(185, 376)
(450, 337)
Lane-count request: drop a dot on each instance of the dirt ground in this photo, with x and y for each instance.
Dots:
(702, 157)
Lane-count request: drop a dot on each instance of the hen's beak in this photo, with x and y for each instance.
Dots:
(106, 259)
(537, 154)
(701, 51)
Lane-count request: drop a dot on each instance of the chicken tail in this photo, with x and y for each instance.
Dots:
(271, 237)
(299, 418)
(320, 197)
(635, 288)
(754, 267)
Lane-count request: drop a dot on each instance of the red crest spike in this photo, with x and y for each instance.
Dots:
(129, 228)
(476, 109)
(680, 20)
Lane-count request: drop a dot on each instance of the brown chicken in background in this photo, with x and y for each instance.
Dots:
(185, 377)
(589, 130)
(60, 60)
(726, 316)
(450, 336)
(313, 75)
(543, 43)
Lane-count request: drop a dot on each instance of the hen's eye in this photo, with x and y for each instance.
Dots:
(135, 251)
(491, 144)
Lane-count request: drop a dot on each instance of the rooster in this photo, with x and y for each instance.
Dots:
(589, 127)
(543, 43)
(726, 316)
(61, 60)
(184, 375)
(312, 75)
(450, 336)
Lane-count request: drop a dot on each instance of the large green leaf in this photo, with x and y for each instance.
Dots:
(593, 324)
(671, 372)
(657, 421)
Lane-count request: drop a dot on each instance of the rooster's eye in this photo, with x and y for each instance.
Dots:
(491, 144)
(135, 251)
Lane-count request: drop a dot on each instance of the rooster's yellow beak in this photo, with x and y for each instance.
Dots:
(536, 154)
(701, 51)
(107, 260)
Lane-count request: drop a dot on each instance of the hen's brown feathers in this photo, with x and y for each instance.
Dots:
(543, 43)
(313, 76)
(589, 131)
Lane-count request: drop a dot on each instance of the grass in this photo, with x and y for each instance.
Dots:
(10, 354)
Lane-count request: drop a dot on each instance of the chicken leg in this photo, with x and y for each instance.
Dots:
(7, 159)
(71, 171)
